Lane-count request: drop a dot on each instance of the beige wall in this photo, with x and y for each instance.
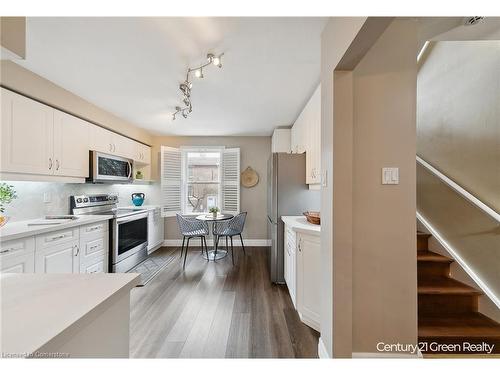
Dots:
(13, 35)
(17, 78)
(384, 223)
(458, 115)
(255, 152)
(335, 314)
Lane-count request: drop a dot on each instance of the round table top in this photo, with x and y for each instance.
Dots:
(210, 217)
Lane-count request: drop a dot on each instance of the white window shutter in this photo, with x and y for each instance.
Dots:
(231, 180)
(171, 181)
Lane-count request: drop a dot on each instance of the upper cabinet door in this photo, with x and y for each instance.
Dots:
(142, 153)
(123, 146)
(71, 145)
(27, 135)
(101, 140)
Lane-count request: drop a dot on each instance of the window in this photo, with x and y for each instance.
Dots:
(194, 179)
(202, 189)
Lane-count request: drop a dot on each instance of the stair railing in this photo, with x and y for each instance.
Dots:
(440, 238)
(464, 193)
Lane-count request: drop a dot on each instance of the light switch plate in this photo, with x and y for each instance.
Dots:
(390, 176)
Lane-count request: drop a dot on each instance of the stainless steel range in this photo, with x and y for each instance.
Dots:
(128, 233)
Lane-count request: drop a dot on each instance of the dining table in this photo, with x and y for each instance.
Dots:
(214, 254)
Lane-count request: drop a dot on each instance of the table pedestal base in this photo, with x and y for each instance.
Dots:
(211, 254)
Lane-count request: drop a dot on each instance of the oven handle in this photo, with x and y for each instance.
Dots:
(131, 217)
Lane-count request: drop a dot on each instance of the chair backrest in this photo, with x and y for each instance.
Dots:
(237, 223)
(187, 225)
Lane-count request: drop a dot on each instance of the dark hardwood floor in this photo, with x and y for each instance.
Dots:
(217, 310)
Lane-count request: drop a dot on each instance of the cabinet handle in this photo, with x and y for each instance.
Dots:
(300, 245)
(93, 228)
(110, 147)
(7, 250)
(77, 250)
(114, 147)
(57, 164)
(50, 163)
(57, 237)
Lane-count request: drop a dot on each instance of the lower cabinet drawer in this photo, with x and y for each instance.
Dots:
(98, 265)
(23, 263)
(94, 228)
(14, 248)
(49, 240)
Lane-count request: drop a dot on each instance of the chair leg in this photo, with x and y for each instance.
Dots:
(232, 250)
(182, 247)
(242, 245)
(206, 247)
(186, 253)
(227, 247)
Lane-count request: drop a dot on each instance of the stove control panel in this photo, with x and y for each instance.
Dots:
(82, 201)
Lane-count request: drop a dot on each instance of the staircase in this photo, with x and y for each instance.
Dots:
(448, 309)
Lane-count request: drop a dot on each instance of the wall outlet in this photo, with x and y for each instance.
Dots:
(47, 198)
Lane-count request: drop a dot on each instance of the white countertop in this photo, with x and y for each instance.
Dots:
(147, 207)
(37, 308)
(20, 229)
(300, 224)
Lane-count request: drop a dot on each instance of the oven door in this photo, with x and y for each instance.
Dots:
(130, 236)
(110, 168)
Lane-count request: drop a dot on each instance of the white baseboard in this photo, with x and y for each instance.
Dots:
(369, 355)
(236, 242)
(322, 352)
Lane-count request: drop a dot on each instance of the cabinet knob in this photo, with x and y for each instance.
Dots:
(77, 250)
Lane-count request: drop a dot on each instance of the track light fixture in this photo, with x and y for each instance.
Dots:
(187, 85)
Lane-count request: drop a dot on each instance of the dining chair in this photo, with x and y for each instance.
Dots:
(192, 228)
(229, 229)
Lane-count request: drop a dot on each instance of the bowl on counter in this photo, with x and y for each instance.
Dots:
(313, 217)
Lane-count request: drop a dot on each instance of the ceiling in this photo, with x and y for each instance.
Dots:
(132, 67)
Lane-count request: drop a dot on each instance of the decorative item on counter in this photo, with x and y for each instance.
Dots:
(313, 217)
(7, 195)
(138, 175)
(249, 177)
(213, 211)
(138, 199)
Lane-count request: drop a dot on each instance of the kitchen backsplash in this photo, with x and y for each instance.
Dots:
(30, 202)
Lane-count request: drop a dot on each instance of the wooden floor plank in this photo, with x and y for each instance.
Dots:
(217, 310)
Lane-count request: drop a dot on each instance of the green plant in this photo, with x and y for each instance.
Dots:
(7, 195)
(213, 210)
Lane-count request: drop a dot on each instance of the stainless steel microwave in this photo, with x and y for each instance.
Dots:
(105, 168)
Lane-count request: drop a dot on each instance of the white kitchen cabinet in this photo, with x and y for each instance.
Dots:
(308, 279)
(290, 263)
(280, 141)
(298, 135)
(18, 256)
(62, 258)
(71, 145)
(313, 144)
(142, 153)
(94, 247)
(306, 137)
(101, 140)
(155, 229)
(27, 135)
(124, 146)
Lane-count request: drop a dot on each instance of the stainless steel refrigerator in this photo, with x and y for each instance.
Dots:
(287, 195)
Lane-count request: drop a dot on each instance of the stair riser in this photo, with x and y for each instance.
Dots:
(432, 269)
(458, 344)
(436, 304)
(422, 243)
